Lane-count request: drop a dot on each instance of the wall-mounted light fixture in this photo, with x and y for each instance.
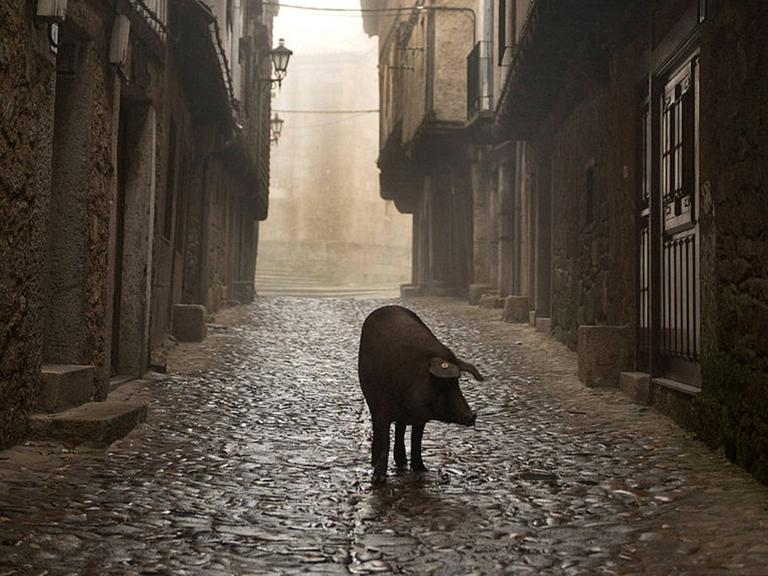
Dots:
(280, 57)
(51, 13)
(275, 128)
(119, 43)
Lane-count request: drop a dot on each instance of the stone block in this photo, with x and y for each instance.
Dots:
(243, 292)
(95, 424)
(490, 301)
(65, 386)
(189, 322)
(636, 385)
(442, 290)
(604, 352)
(410, 290)
(544, 325)
(516, 309)
(476, 291)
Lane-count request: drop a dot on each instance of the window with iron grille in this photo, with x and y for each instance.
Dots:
(678, 149)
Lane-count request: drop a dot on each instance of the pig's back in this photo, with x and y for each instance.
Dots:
(395, 345)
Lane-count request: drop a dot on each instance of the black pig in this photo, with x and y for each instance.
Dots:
(408, 377)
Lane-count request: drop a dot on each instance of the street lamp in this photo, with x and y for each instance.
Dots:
(276, 128)
(280, 57)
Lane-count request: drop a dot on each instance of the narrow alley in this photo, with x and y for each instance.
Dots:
(203, 202)
(255, 460)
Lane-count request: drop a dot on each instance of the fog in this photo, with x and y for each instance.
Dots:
(327, 224)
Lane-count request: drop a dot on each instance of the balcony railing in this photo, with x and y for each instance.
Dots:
(155, 13)
(479, 80)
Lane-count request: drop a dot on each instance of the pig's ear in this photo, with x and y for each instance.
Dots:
(467, 367)
(440, 368)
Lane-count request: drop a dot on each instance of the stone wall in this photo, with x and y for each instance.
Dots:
(27, 77)
(453, 35)
(593, 234)
(734, 175)
(83, 182)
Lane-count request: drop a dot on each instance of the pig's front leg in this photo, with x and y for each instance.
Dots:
(401, 461)
(417, 432)
(380, 450)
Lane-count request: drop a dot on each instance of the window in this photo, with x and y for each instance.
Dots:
(678, 131)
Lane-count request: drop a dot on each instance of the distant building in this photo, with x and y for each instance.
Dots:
(327, 225)
(134, 154)
(424, 165)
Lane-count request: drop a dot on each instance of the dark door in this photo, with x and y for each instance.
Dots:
(669, 298)
(122, 177)
(680, 293)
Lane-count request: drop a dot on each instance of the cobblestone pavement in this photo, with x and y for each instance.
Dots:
(255, 460)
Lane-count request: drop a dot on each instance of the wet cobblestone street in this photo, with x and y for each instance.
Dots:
(256, 460)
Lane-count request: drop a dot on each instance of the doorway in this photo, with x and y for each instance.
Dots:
(669, 294)
(132, 249)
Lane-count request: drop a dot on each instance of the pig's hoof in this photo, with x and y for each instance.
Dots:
(378, 479)
(402, 465)
(418, 467)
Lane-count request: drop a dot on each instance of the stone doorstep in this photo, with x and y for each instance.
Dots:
(516, 309)
(603, 354)
(65, 386)
(96, 423)
(491, 301)
(116, 381)
(476, 292)
(189, 322)
(410, 290)
(544, 325)
(636, 385)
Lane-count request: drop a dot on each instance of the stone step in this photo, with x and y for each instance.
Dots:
(94, 424)
(65, 386)
(329, 291)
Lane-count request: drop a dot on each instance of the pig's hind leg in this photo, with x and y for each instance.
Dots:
(380, 449)
(417, 433)
(401, 461)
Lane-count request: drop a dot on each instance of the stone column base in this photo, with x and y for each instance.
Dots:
(516, 309)
(636, 385)
(410, 290)
(189, 322)
(242, 291)
(604, 352)
(491, 301)
(441, 290)
(476, 291)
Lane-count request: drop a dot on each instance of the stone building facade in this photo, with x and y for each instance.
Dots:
(424, 167)
(613, 151)
(106, 126)
(635, 237)
(27, 85)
